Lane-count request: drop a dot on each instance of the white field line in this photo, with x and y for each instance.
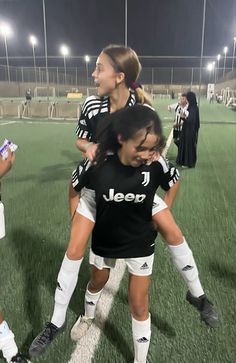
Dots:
(36, 122)
(168, 143)
(85, 348)
(7, 123)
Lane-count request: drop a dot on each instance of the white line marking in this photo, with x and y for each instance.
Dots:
(85, 348)
(168, 143)
(46, 122)
(7, 123)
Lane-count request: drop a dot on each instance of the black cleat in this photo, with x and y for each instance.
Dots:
(19, 358)
(44, 339)
(205, 307)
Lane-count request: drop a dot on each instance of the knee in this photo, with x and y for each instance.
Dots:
(139, 310)
(74, 252)
(174, 237)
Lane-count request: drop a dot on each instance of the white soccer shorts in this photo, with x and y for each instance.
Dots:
(87, 204)
(138, 266)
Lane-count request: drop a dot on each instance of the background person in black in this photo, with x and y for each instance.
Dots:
(123, 227)
(7, 342)
(187, 151)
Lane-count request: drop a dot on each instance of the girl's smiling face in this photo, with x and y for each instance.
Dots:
(138, 150)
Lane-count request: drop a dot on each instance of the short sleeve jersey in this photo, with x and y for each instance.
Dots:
(124, 199)
(178, 119)
(93, 112)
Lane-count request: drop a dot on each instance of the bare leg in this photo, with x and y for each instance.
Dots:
(93, 292)
(141, 322)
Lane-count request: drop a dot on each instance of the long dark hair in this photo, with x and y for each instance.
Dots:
(127, 122)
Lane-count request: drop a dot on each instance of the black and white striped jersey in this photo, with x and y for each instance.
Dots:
(93, 111)
(179, 110)
(124, 198)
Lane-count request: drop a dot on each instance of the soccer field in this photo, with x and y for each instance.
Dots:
(38, 224)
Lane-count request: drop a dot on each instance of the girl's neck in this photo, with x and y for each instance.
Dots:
(119, 98)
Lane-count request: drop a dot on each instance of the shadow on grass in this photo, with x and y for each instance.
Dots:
(161, 324)
(224, 273)
(114, 335)
(40, 259)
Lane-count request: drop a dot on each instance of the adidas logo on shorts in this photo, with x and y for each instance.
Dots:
(142, 340)
(144, 266)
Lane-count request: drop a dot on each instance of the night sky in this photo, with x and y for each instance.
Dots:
(155, 27)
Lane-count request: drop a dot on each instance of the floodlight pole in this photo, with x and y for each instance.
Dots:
(126, 23)
(87, 77)
(233, 53)
(202, 48)
(65, 67)
(224, 64)
(8, 68)
(35, 72)
(46, 49)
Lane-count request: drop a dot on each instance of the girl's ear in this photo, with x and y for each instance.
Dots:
(120, 139)
(120, 77)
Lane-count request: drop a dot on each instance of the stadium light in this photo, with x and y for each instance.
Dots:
(233, 53)
(33, 41)
(65, 52)
(225, 52)
(6, 31)
(210, 68)
(87, 60)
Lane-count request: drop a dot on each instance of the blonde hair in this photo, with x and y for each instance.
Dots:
(125, 59)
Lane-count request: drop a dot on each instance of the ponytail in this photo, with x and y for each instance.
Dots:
(140, 95)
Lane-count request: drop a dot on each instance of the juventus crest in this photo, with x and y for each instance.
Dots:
(146, 178)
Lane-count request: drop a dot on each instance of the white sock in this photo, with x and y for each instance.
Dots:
(66, 283)
(4, 329)
(185, 263)
(7, 342)
(90, 303)
(141, 337)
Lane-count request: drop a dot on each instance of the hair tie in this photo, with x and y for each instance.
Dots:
(134, 85)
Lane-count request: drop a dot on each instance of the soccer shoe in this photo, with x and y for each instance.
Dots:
(19, 358)
(80, 327)
(205, 307)
(44, 339)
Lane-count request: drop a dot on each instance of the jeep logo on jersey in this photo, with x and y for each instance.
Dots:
(146, 178)
(120, 197)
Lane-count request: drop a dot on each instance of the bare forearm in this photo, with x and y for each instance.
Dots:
(82, 144)
(170, 195)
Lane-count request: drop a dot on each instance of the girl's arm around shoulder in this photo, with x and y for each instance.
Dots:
(169, 181)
